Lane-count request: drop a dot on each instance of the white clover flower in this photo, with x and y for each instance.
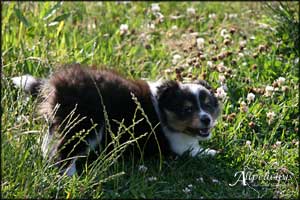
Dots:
(151, 26)
(191, 11)
(280, 81)
(174, 17)
(186, 190)
(278, 143)
(241, 55)
(123, 29)
(243, 43)
(200, 43)
(269, 90)
(123, 2)
(176, 59)
(106, 35)
(155, 7)
(223, 32)
(222, 78)
(221, 67)
(200, 179)
(243, 107)
(284, 88)
(174, 28)
(215, 180)
(210, 64)
(248, 143)
(91, 26)
(263, 26)
(168, 71)
(143, 168)
(270, 116)
(220, 93)
(250, 97)
(212, 16)
(152, 178)
(233, 15)
(190, 186)
(194, 34)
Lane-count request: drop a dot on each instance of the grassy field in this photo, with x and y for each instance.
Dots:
(250, 51)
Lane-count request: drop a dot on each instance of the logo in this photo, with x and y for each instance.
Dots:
(253, 179)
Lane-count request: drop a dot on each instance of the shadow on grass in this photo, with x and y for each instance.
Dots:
(183, 177)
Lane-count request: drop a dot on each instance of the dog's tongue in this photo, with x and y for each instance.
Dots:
(204, 132)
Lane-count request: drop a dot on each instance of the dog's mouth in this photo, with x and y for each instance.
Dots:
(203, 132)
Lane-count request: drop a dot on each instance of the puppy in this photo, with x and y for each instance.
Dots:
(88, 107)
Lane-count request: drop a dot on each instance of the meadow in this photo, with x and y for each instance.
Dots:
(249, 52)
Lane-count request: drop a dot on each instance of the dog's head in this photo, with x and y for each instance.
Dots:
(188, 108)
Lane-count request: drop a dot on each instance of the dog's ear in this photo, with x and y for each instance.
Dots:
(204, 84)
(167, 89)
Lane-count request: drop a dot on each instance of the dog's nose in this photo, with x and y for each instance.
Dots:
(205, 120)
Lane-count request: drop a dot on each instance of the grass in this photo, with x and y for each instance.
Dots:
(37, 37)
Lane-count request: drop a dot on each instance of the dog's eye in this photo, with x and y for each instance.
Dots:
(187, 109)
(207, 105)
(204, 99)
(207, 101)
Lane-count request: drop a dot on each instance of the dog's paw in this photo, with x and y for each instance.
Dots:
(208, 152)
(198, 152)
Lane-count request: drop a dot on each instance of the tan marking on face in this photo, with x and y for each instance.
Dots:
(195, 121)
(174, 122)
(182, 125)
(187, 104)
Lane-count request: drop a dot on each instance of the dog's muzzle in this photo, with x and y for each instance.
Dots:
(203, 132)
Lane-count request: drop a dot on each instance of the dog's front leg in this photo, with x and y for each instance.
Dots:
(197, 150)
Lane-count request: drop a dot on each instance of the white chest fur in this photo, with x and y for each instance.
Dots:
(181, 143)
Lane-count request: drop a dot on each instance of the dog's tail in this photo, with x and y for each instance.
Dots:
(29, 84)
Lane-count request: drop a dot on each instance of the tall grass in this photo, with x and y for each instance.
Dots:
(286, 17)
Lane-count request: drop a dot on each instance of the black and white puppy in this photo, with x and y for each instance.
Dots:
(74, 100)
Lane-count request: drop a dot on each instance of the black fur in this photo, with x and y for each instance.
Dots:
(81, 88)
(90, 93)
(34, 88)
